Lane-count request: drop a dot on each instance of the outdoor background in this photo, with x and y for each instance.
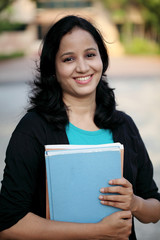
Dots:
(132, 32)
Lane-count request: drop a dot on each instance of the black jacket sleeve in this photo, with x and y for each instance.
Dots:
(24, 160)
(138, 168)
(145, 184)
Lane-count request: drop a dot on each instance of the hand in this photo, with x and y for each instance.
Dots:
(117, 226)
(125, 200)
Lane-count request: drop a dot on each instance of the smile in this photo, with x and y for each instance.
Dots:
(84, 79)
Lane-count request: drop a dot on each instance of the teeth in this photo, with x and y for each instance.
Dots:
(83, 78)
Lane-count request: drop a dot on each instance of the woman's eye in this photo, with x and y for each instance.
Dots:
(68, 59)
(91, 55)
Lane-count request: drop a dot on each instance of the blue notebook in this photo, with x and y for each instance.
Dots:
(75, 175)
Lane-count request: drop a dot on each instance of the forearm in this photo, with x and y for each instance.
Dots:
(36, 228)
(146, 211)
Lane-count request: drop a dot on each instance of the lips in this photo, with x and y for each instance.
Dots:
(83, 80)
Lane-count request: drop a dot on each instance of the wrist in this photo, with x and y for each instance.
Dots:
(96, 231)
(136, 204)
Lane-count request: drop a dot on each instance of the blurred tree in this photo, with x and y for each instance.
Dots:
(138, 22)
(151, 14)
(5, 3)
(6, 24)
(150, 11)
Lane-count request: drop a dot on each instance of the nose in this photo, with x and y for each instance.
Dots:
(82, 66)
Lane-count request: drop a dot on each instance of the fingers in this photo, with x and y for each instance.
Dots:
(112, 198)
(115, 189)
(120, 181)
(119, 224)
(123, 185)
(124, 214)
(122, 205)
(124, 195)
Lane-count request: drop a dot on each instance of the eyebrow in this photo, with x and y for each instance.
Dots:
(70, 53)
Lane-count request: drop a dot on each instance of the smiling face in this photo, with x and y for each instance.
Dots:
(78, 64)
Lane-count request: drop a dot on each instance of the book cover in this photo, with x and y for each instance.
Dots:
(75, 175)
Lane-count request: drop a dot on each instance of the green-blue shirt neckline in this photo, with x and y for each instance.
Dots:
(79, 136)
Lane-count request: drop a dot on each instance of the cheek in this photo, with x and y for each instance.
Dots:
(63, 73)
(98, 66)
(64, 79)
(60, 75)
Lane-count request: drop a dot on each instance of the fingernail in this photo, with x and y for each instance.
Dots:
(101, 197)
(110, 182)
(102, 190)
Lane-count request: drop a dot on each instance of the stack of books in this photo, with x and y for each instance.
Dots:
(75, 175)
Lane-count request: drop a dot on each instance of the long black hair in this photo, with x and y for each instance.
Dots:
(46, 98)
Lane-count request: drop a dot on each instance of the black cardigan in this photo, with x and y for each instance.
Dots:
(23, 186)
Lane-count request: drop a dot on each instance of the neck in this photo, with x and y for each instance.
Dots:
(81, 111)
(80, 106)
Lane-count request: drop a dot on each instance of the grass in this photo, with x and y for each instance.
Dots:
(11, 55)
(8, 26)
(141, 46)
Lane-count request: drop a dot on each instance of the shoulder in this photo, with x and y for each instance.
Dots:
(32, 125)
(31, 121)
(125, 120)
(126, 126)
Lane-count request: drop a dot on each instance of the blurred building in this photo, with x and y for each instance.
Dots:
(41, 14)
(131, 23)
(18, 40)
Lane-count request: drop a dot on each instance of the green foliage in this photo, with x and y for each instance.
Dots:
(151, 5)
(118, 15)
(11, 55)
(4, 4)
(130, 33)
(8, 26)
(151, 13)
(141, 46)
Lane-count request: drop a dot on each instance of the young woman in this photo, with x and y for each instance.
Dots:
(73, 104)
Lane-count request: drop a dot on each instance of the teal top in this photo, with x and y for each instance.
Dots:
(78, 136)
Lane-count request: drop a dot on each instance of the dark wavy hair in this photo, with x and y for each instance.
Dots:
(46, 98)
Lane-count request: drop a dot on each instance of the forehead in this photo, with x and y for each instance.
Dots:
(77, 38)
